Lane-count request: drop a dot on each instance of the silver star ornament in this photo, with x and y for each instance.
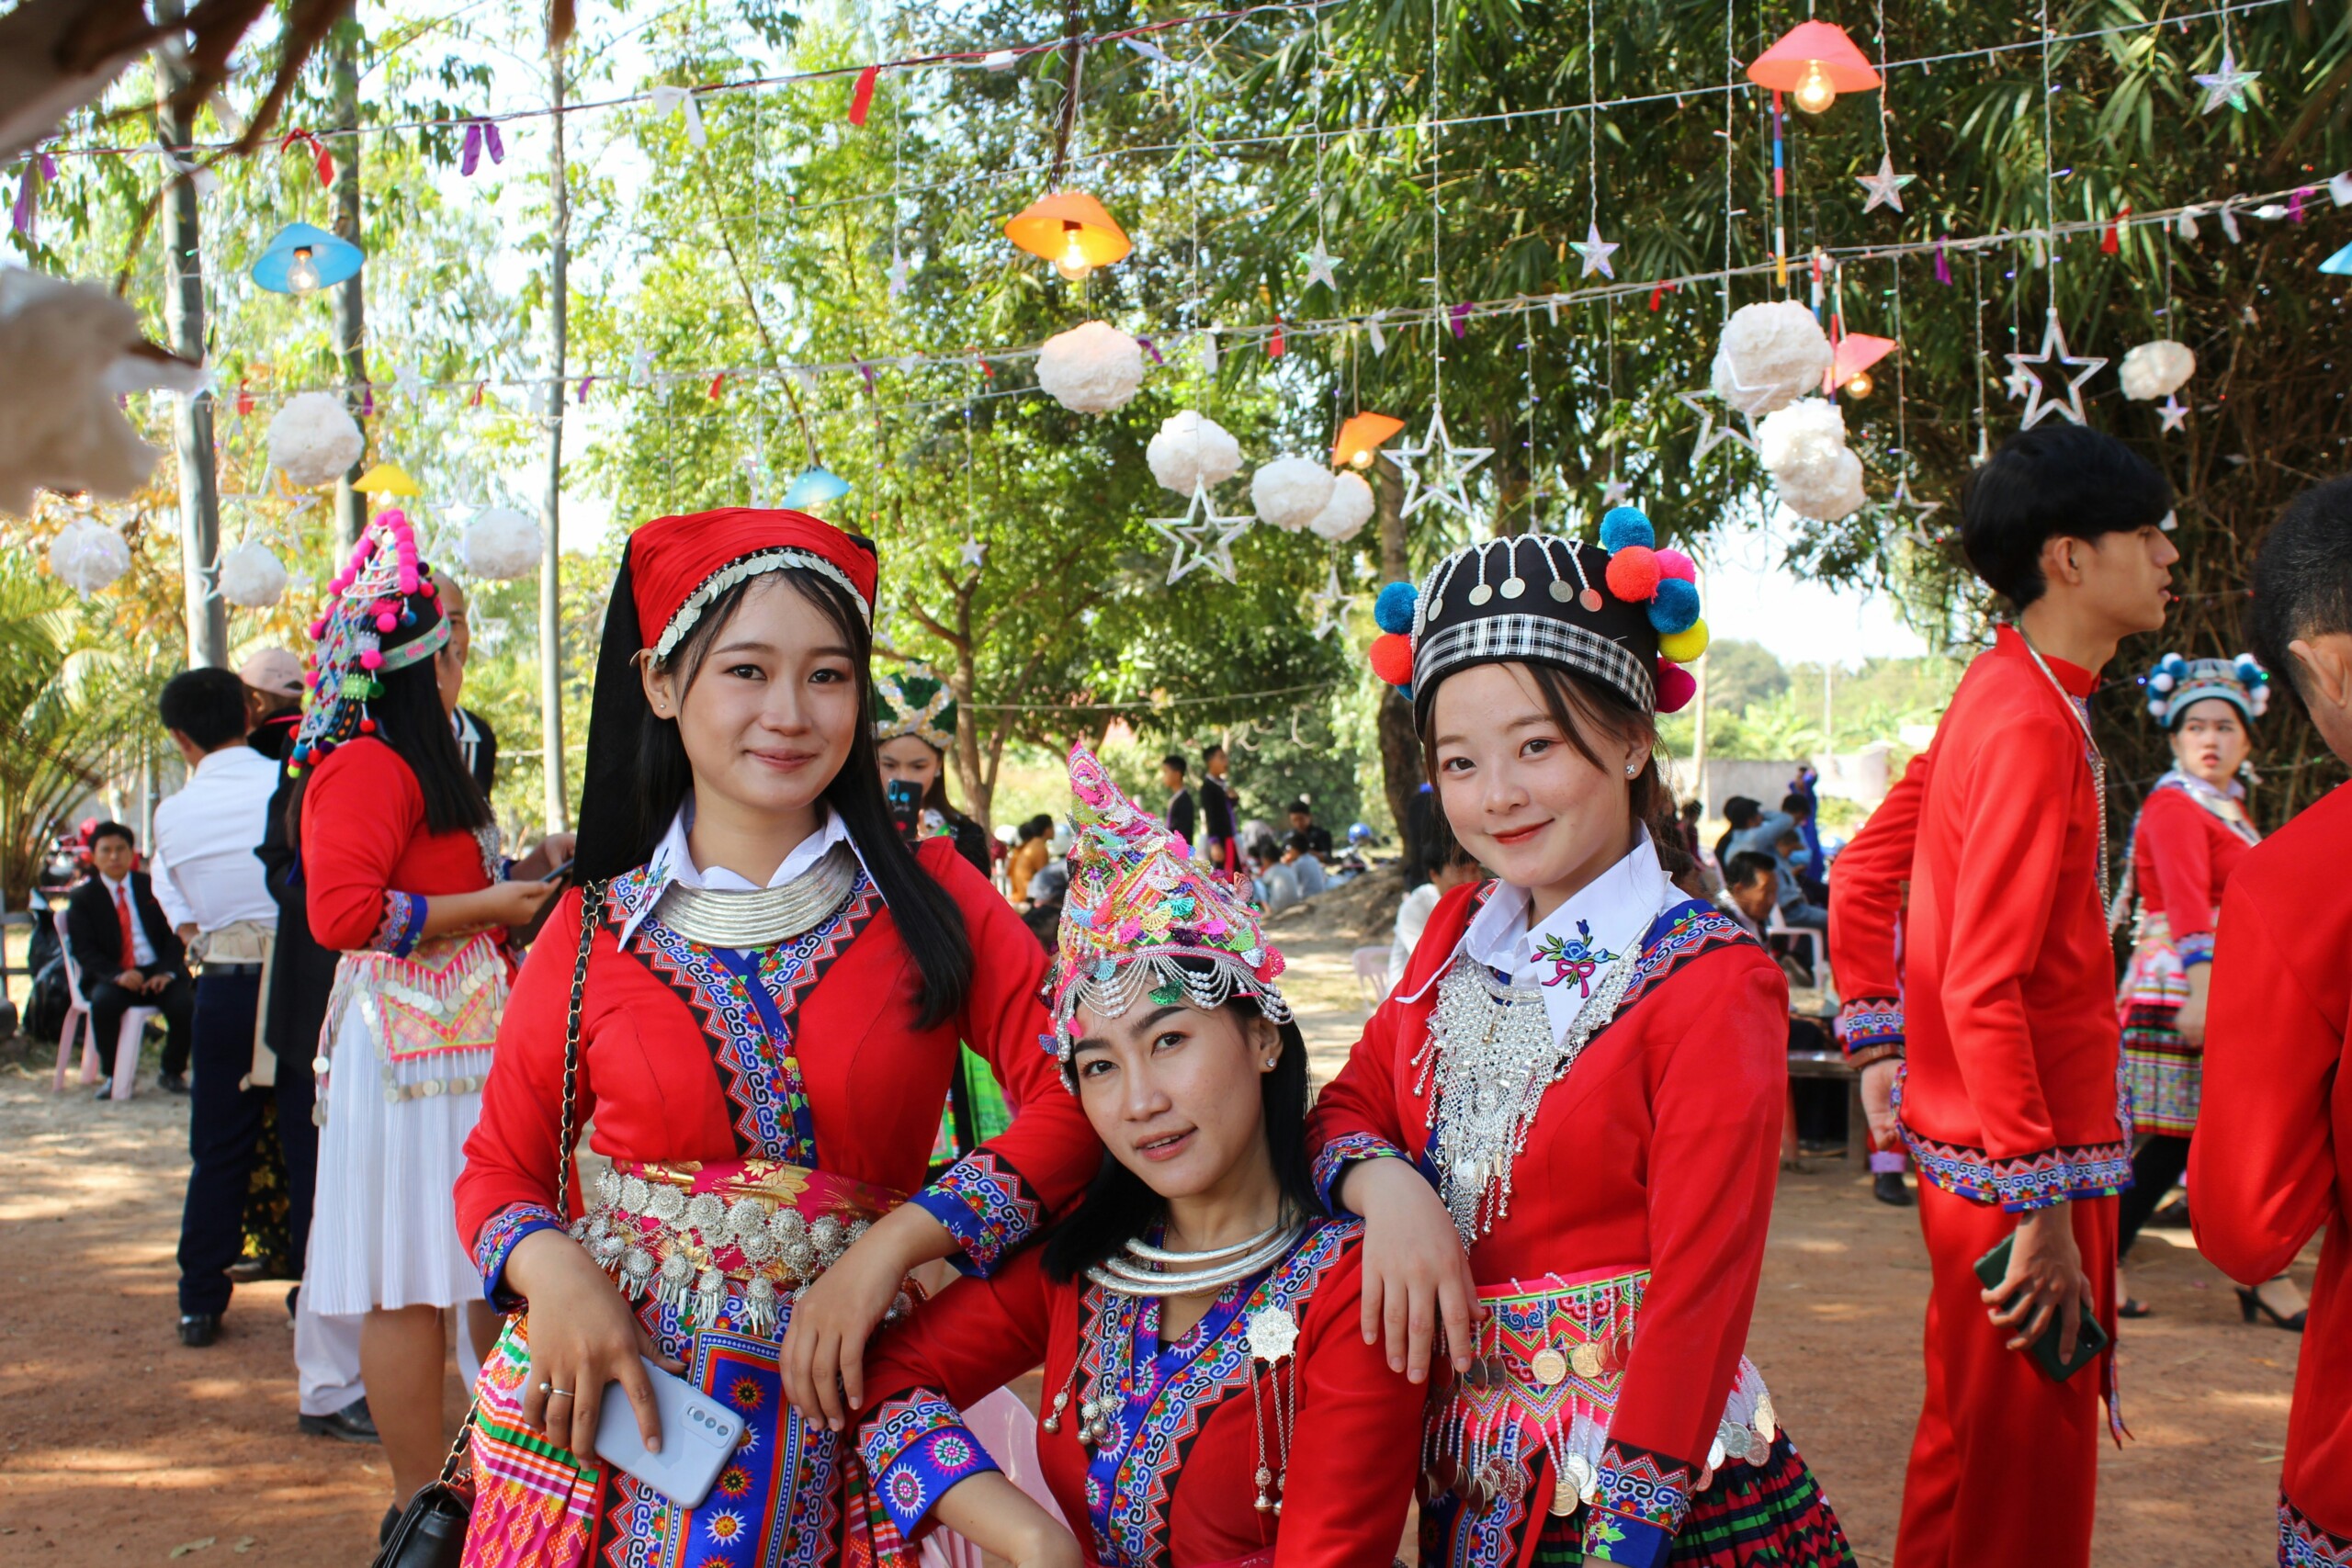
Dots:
(2226, 85)
(1710, 435)
(974, 553)
(2174, 413)
(1319, 264)
(1330, 606)
(1885, 187)
(1454, 464)
(1201, 537)
(1594, 252)
(2039, 405)
(1902, 501)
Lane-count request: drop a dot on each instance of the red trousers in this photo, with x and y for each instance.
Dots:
(2005, 1465)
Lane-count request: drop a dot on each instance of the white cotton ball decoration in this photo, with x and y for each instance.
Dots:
(87, 556)
(1803, 447)
(70, 349)
(1191, 450)
(1092, 368)
(2156, 369)
(313, 438)
(1829, 491)
(1344, 516)
(252, 576)
(1770, 355)
(1291, 492)
(502, 543)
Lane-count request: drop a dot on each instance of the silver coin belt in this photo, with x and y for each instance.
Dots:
(660, 1242)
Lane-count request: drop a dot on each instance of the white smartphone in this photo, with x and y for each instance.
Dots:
(698, 1434)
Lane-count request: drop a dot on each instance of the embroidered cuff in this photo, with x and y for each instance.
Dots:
(403, 923)
(1341, 1152)
(495, 1244)
(2304, 1543)
(2024, 1182)
(1869, 1027)
(915, 1449)
(2197, 947)
(986, 1205)
(1644, 1498)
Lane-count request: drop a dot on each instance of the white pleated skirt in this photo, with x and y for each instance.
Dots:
(384, 1228)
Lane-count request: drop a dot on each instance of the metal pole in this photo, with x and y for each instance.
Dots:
(350, 302)
(208, 614)
(557, 798)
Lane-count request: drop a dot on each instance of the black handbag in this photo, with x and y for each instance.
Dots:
(430, 1531)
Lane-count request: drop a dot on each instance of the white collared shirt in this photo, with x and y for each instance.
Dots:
(673, 862)
(205, 873)
(143, 952)
(1567, 953)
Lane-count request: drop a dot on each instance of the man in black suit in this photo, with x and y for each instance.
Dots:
(1181, 818)
(1219, 847)
(127, 952)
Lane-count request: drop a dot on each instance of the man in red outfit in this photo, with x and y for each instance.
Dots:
(1999, 1024)
(2272, 1158)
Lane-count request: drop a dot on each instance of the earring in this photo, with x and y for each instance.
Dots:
(1632, 769)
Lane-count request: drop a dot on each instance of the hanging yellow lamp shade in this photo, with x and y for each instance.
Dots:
(1360, 439)
(1071, 229)
(385, 480)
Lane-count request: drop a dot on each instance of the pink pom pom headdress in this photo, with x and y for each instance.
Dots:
(348, 659)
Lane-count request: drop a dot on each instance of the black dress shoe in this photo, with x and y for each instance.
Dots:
(199, 1329)
(293, 1295)
(172, 1083)
(106, 1091)
(1887, 1188)
(352, 1424)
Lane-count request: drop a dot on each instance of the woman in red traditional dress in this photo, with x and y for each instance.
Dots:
(1561, 1128)
(2190, 835)
(768, 1011)
(403, 877)
(1198, 1314)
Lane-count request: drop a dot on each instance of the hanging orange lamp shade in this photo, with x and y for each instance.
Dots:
(1856, 353)
(1360, 437)
(1071, 229)
(1814, 62)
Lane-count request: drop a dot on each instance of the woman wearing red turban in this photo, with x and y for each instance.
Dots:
(768, 1001)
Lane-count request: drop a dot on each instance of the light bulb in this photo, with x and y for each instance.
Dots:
(1362, 458)
(1072, 263)
(301, 273)
(1859, 386)
(1814, 90)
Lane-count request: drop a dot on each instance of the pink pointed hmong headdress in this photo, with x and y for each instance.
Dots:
(369, 628)
(1141, 919)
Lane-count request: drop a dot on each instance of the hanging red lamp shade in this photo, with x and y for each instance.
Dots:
(1852, 360)
(1814, 62)
(1069, 229)
(1360, 439)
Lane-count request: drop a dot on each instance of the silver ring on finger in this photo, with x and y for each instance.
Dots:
(554, 1392)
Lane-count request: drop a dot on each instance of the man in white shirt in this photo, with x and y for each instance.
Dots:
(1446, 872)
(211, 884)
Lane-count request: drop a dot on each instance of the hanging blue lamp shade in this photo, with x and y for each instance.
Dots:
(2340, 264)
(814, 486)
(304, 258)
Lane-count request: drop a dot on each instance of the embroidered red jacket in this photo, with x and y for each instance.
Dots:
(2006, 994)
(1175, 1483)
(2271, 1161)
(1658, 1152)
(368, 866)
(2182, 857)
(663, 1078)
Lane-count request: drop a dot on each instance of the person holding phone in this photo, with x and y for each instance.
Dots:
(1996, 1023)
(914, 723)
(1199, 1309)
(767, 1019)
(1561, 1128)
(394, 845)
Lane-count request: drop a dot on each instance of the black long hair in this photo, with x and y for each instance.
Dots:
(1119, 1207)
(928, 919)
(409, 718)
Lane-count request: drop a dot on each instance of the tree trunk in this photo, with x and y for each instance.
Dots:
(350, 305)
(557, 798)
(1400, 749)
(208, 615)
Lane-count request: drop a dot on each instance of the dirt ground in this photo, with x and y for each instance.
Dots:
(118, 1445)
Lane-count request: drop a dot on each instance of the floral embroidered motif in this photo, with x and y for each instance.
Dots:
(986, 1204)
(1868, 1021)
(916, 1448)
(1573, 958)
(496, 1241)
(2303, 1544)
(403, 923)
(1343, 1152)
(1644, 1499)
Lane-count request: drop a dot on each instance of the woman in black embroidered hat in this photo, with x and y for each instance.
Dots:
(1561, 1127)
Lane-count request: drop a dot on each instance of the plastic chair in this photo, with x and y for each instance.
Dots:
(77, 1025)
(1372, 974)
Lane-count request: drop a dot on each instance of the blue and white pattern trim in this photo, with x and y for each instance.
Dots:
(916, 1448)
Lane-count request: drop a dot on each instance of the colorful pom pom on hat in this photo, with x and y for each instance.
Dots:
(353, 639)
(1608, 612)
(2175, 683)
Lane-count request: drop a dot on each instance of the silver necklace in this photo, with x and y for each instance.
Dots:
(1492, 1056)
(737, 918)
(2097, 758)
(1140, 1269)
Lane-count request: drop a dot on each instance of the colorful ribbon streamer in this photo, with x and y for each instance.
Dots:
(39, 170)
(861, 97)
(481, 134)
(320, 158)
(680, 100)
